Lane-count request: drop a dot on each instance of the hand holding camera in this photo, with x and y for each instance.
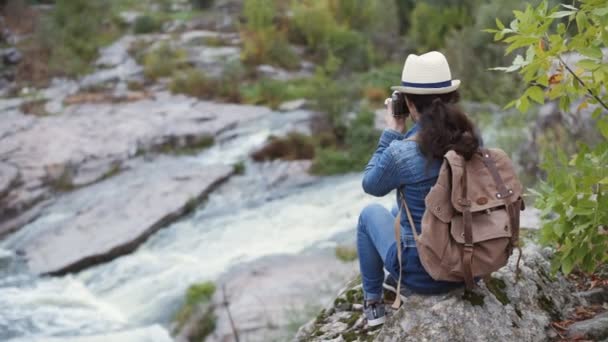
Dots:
(397, 111)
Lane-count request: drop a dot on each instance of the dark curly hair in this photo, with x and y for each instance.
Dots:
(443, 126)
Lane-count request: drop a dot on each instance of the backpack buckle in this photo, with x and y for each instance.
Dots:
(464, 202)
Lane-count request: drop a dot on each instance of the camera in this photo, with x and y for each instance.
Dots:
(399, 104)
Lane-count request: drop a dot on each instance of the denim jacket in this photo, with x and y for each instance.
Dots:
(399, 164)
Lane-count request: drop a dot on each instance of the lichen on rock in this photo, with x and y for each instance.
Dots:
(502, 308)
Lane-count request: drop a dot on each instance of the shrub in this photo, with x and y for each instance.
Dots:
(198, 295)
(430, 24)
(315, 22)
(574, 196)
(294, 146)
(351, 47)
(201, 4)
(346, 254)
(266, 92)
(194, 82)
(263, 41)
(67, 40)
(360, 142)
(146, 24)
(163, 61)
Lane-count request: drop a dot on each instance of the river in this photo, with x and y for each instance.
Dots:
(134, 297)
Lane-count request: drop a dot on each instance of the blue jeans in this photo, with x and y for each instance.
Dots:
(377, 249)
(375, 236)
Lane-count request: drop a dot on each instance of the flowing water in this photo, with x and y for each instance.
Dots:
(246, 218)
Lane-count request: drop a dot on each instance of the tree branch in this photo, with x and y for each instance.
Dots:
(582, 83)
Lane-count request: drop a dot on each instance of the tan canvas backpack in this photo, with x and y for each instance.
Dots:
(471, 222)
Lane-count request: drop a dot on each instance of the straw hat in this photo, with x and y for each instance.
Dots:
(427, 74)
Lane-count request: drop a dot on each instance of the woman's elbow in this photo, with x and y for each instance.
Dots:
(372, 188)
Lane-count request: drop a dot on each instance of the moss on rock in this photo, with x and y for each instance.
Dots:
(497, 287)
(476, 299)
(196, 315)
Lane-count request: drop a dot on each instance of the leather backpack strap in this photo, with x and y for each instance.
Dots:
(512, 210)
(467, 220)
(397, 228)
(490, 164)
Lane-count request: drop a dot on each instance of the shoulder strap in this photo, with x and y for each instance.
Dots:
(397, 227)
(467, 220)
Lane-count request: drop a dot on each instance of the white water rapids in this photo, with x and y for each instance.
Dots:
(134, 297)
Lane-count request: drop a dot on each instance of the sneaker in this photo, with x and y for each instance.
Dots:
(374, 313)
(390, 284)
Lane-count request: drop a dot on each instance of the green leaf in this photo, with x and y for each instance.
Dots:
(581, 21)
(536, 94)
(499, 24)
(596, 113)
(567, 265)
(561, 14)
(570, 7)
(602, 125)
(603, 181)
(600, 11)
(524, 105)
(588, 64)
(593, 52)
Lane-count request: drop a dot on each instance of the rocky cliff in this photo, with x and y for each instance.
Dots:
(501, 309)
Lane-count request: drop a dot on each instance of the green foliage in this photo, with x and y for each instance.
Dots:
(198, 293)
(340, 29)
(573, 200)
(201, 4)
(294, 146)
(263, 41)
(146, 24)
(196, 83)
(346, 253)
(430, 24)
(72, 34)
(163, 61)
(574, 196)
(239, 167)
(267, 92)
(360, 142)
(333, 98)
(198, 297)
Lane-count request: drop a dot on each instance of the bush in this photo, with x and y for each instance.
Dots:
(294, 146)
(574, 196)
(194, 82)
(266, 92)
(430, 24)
(68, 39)
(146, 24)
(352, 48)
(201, 4)
(263, 41)
(163, 61)
(360, 142)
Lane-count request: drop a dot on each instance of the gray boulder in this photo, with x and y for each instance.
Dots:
(120, 213)
(500, 310)
(89, 141)
(595, 328)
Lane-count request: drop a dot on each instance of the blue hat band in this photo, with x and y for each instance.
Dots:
(427, 85)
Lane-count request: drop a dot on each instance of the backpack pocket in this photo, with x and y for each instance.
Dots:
(492, 233)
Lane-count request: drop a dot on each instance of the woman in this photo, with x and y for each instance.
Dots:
(409, 162)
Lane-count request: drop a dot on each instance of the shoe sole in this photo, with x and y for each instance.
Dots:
(376, 322)
(393, 290)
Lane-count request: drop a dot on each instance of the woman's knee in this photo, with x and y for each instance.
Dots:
(369, 212)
